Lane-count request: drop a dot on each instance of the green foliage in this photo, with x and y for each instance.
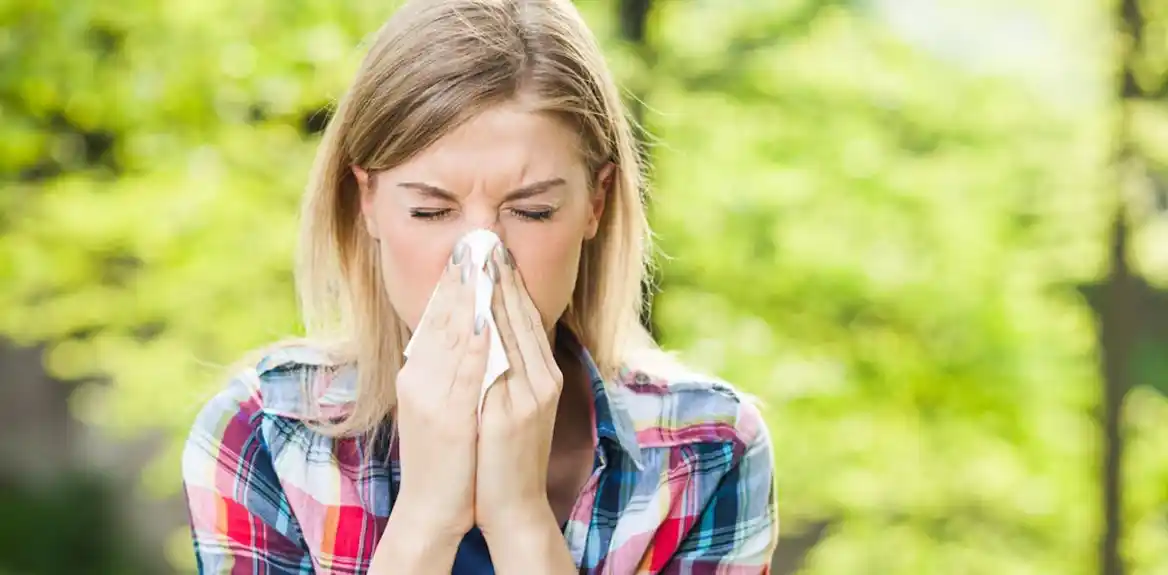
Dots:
(881, 245)
(868, 233)
(155, 158)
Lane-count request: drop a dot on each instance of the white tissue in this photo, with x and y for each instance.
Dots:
(481, 243)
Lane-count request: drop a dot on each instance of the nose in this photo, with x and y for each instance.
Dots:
(483, 217)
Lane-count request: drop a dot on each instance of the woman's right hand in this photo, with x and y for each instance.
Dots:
(437, 397)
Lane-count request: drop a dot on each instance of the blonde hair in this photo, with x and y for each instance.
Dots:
(433, 66)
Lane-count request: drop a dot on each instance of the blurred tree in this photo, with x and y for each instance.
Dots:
(142, 150)
(633, 16)
(882, 245)
(151, 157)
(1127, 336)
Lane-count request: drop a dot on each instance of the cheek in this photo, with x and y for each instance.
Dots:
(548, 256)
(412, 260)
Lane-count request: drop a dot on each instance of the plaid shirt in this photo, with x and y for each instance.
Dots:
(683, 478)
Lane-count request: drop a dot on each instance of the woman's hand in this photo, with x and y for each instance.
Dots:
(515, 437)
(519, 413)
(437, 396)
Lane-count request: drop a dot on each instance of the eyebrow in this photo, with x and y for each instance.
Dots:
(533, 189)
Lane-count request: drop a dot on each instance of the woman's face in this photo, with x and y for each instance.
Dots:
(516, 173)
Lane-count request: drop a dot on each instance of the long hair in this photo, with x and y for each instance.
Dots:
(432, 67)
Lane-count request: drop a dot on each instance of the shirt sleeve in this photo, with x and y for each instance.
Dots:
(239, 515)
(738, 529)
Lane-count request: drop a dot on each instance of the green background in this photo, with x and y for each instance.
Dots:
(888, 220)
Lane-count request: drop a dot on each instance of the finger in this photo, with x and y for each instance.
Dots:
(459, 298)
(532, 312)
(459, 334)
(454, 290)
(517, 392)
(528, 333)
(472, 362)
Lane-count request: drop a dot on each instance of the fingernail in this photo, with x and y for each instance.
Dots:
(466, 273)
(459, 253)
(507, 257)
(493, 271)
(480, 323)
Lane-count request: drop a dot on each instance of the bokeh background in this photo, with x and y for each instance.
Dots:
(932, 235)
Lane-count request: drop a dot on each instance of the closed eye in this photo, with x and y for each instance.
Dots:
(533, 215)
(429, 213)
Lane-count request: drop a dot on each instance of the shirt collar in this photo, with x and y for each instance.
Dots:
(613, 422)
(300, 381)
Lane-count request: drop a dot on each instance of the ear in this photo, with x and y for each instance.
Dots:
(605, 179)
(365, 191)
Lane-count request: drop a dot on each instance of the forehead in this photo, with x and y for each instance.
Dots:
(505, 142)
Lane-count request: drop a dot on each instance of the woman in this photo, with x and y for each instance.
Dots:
(594, 453)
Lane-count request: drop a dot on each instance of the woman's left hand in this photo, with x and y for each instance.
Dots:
(519, 413)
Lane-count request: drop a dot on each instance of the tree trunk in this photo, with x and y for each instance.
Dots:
(1117, 327)
(1119, 323)
(634, 16)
